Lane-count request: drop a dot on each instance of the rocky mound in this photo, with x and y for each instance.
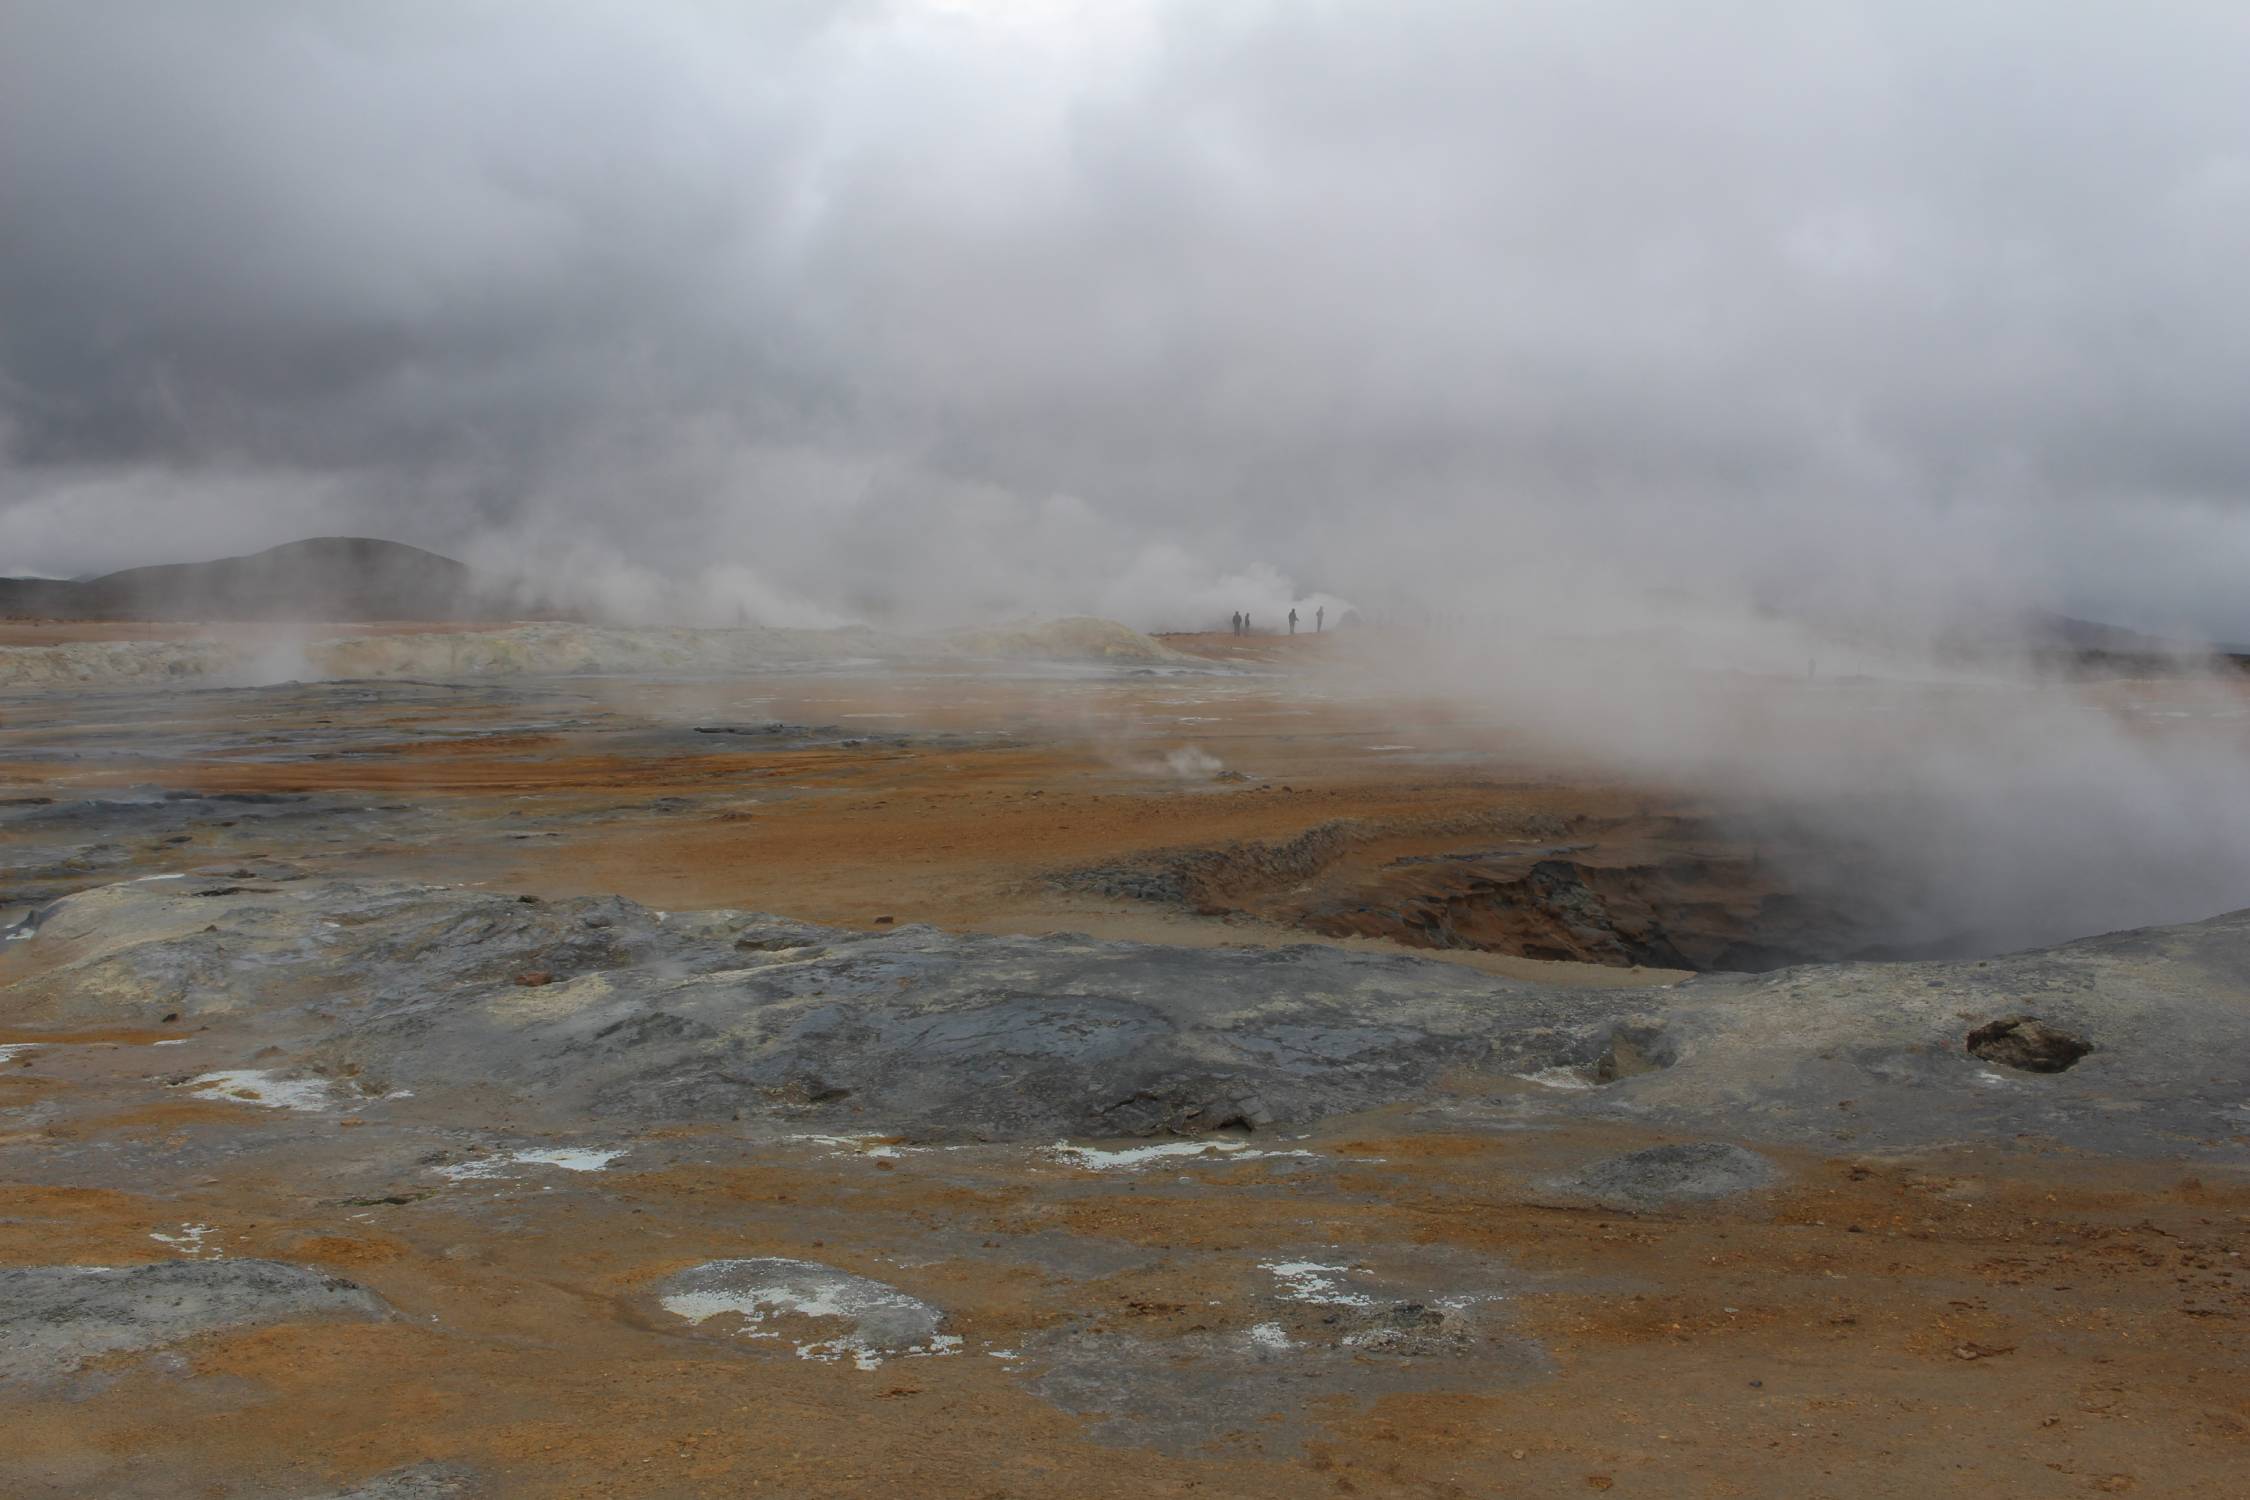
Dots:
(601, 1010)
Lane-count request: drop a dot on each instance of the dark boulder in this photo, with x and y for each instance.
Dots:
(2028, 1043)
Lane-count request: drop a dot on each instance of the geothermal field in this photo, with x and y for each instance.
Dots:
(461, 1059)
(1124, 750)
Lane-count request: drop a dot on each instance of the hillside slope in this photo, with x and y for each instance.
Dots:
(321, 578)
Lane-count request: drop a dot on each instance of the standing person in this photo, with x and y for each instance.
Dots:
(1292, 619)
(1246, 622)
(1319, 619)
(1238, 622)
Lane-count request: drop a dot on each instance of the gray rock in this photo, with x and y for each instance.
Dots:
(658, 1019)
(55, 1318)
(1686, 1172)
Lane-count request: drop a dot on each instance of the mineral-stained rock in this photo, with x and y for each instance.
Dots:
(720, 1016)
(2028, 1043)
(1634, 1048)
(1185, 1106)
(854, 1317)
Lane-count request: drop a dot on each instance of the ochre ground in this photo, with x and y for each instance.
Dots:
(1965, 1324)
(1990, 1320)
(1047, 775)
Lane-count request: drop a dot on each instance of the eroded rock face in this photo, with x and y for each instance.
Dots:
(1186, 1106)
(1707, 901)
(2028, 1043)
(55, 1318)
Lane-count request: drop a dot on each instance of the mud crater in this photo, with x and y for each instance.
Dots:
(1689, 893)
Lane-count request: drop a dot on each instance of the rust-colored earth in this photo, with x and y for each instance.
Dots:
(1994, 1318)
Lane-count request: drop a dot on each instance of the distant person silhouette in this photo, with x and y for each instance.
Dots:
(1238, 622)
(1292, 620)
(1320, 619)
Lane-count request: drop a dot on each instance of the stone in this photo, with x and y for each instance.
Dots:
(55, 1318)
(2028, 1043)
(1684, 1172)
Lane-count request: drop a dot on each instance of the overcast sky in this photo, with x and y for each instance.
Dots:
(927, 310)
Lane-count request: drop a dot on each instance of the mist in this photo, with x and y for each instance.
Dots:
(1725, 341)
(929, 313)
(1932, 808)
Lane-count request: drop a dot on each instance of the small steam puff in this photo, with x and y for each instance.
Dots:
(1191, 764)
(277, 657)
(1187, 763)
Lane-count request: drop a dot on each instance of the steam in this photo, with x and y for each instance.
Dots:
(1190, 763)
(1623, 350)
(927, 313)
(273, 655)
(1974, 806)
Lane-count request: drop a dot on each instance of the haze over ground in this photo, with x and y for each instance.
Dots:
(926, 312)
(1784, 338)
(1712, 975)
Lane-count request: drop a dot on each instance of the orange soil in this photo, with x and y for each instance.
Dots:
(1962, 1324)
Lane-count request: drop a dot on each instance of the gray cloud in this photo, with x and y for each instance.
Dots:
(933, 309)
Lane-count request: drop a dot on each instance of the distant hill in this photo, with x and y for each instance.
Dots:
(2091, 642)
(322, 578)
(2116, 640)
